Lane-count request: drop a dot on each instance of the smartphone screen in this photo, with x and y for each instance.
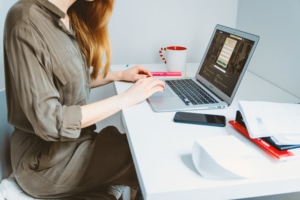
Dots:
(198, 118)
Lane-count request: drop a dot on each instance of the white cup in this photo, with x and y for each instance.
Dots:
(175, 58)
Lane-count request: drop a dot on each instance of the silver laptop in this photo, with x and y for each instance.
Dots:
(218, 77)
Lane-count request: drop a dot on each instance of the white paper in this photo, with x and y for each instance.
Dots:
(286, 139)
(225, 157)
(271, 119)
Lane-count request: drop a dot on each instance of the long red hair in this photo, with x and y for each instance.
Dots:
(90, 22)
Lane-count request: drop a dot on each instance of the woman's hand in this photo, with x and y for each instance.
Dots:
(135, 73)
(141, 90)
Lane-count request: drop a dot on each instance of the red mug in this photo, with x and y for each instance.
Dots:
(174, 57)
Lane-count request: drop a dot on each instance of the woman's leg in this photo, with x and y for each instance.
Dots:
(110, 164)
(111, 161)
(92, 165)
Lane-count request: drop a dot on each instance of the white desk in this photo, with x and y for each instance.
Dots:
(162, 149)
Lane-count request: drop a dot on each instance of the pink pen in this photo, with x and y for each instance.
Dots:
(166, 73)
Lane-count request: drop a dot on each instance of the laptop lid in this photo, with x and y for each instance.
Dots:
(220, 71)
(226, 60)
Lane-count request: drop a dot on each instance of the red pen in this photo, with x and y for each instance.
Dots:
(166, 73)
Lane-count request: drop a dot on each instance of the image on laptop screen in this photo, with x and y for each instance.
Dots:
(225, 60)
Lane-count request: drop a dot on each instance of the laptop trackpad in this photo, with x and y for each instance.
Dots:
(166, 93)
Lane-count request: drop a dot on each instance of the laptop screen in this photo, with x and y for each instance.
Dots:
(225, 60)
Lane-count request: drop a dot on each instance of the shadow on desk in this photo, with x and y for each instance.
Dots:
(188, 161)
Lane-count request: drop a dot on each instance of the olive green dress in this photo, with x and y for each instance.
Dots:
(47, 80)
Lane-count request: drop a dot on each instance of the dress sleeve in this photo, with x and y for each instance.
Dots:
(32, 76)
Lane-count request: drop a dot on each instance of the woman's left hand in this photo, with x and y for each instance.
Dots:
(135, 73)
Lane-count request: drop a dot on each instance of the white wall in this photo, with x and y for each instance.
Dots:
(277, 55)
(139, 28)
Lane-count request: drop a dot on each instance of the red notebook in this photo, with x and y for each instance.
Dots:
(269, 149)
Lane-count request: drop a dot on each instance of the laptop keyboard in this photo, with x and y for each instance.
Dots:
(189, 92)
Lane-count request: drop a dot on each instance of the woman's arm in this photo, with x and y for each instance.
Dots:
(141, 90)
(131, 74)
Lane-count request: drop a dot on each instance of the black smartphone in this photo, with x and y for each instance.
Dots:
(199, 118)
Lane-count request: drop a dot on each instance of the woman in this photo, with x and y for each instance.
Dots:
(49, 46)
